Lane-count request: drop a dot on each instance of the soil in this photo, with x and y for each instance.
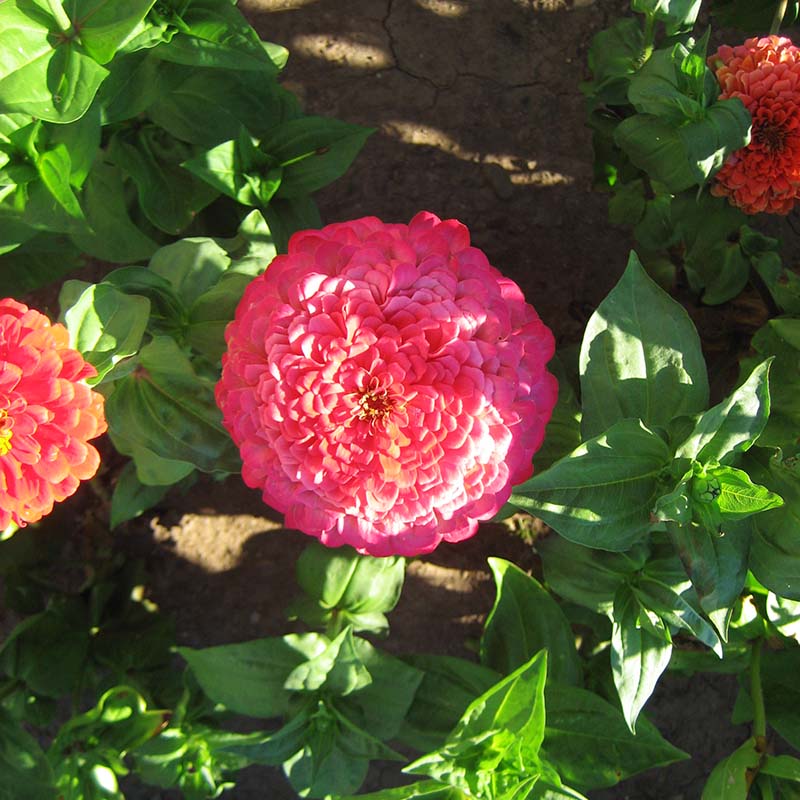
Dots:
(478, 116)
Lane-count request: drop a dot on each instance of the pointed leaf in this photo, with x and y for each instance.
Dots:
(524, 620)
(640, 357)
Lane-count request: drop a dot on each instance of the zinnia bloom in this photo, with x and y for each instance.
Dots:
(765, 75)
(47, 414)
(386, 385)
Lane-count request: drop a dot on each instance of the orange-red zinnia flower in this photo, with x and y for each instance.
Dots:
(386, 385)
(47, 415)
(765, 75)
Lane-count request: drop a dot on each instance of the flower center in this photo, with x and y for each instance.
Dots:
(770, 136)
(374, 402)
(5, 432)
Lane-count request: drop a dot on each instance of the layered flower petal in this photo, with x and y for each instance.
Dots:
(764, 73)
(386, 385)
(47, 415)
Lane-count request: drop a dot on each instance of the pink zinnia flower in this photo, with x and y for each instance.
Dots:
(47, 415)
(386, 385)
(765, 75)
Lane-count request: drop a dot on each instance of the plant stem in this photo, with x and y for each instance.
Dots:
(64, 22)
(778, 18)
(756, 693)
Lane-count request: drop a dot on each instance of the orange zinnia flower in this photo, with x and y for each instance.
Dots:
(765, 75)
(47, 415)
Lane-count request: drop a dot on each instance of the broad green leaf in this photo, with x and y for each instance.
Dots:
(448, 686)
(58, 635)
(340, 582)
(238, 98)
(775, 549)
(614, 56)
(655, 88)
(106, 325)
(313, 151)
(784, 615)
(524, 620)
(110, 233)
(54, 168)
(42, 259)
(165, 407)
(780, 338)
(590, 744)
(731, 427)
(720, 272)
(679, 15)
(787, 767)
(338, 668)
(728, 780)
(783, 283)
(779, 670)
(46, 75)
(287, 215)
(381, 706)
(169, 195)
(640, 358)
(716, 564)
(670, 604)
(586, 576)
(248, 678)
(421, 790)
(600, 495)
(167, 312)
(81, 140)
(105, 25)
(739, 497)
(152, 469)
(192, 266)
(335, 756)
(211, 313)
(497, 740)
(638, 656)
(214, 34)
(131, 497)
(26, 772)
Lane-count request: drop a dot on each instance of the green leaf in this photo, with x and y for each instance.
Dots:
(338, 668)
(110, 233)
(638, 656)
(104, 25)
(169, 195)
(131, 497)
(780, 338)
(670, 604)
(590, 744)
(54, 168)
(739, 497)
(614, 57)
(249, 678)
(214, 34)
(524, 620)
(728, 780)
(313, 151)
(787, 767)
(716, 564)
(59, 635)
(784, 614)
(105, 325)
(192, 266)
(640, 358)
(165, 407)
(679, 15)
(448, 686)
(497, 740)
(46, 75)
(167, 312)
(775, 548)
(731, 427)
(421, 790)
(81, 140)
(601, 494)
(358, 589)
(41, 260)
(27, 775)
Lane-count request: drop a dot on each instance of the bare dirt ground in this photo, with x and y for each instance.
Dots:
(478, 116)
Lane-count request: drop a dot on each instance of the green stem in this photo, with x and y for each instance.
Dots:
(64, 22)
(756, 693)
(778, 18)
